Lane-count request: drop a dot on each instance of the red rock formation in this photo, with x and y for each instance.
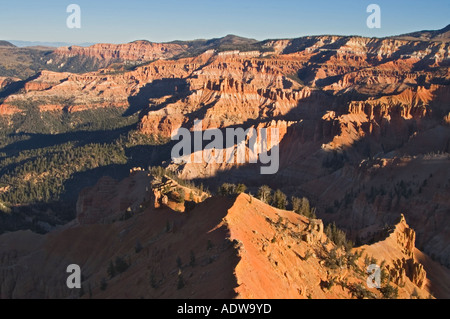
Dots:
(6, 109)
(4, 81)
(134, 51)
(398, 252)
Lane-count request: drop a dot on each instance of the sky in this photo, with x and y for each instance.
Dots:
(116, 21)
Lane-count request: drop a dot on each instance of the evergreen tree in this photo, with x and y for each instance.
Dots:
(111, 270)
(240, 188)
(279, 199)
(121, 265)
(264, 194)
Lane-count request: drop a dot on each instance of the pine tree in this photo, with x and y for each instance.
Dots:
(192, 263)
(264, 194)
(121, 265)
(279, 199)
(181, 282)
(111, 270)
(240, 188)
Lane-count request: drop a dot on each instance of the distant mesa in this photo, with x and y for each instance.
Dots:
(6, 44)
(429, 35)
(22, 44)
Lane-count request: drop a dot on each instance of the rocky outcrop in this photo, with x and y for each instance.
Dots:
(398, 252)
(314, 232)
(7, 109)
(406, 238)
(4, 81)
(160, 188)
(402, 268)
(407, 266)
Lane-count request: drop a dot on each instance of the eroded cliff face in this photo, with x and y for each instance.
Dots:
(398, 252)
(246, 85)
(4, 81)
(76, 92)
(407, 266)
(105, 53)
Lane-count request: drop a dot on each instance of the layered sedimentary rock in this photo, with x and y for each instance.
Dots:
(134, 51)
(398, 250)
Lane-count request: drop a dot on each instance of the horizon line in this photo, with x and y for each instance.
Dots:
(89, 43)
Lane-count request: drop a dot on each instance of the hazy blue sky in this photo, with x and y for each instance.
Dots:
(124, 21)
